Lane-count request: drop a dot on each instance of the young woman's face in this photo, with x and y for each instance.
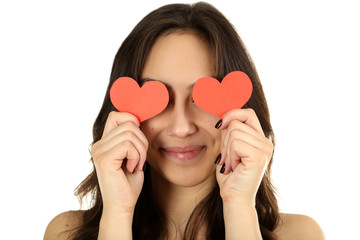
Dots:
(183, 142)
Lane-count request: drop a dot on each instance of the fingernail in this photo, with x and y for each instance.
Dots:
(222, 170)
(218, 124)
(218, 158)
(144, 167)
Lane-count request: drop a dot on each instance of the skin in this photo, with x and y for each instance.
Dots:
(178, 60)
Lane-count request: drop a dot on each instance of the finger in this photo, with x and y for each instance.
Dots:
(135, 157)
(227, 162)
(232, 133)
(246, 156)
(116, 118)
(135, 176)
(127, 129)
(219, 175)
(236, 125)
(238, 151)
(123, 137)
(125, 126)
(115, 156)
(132, 156)
(236, 134)
(223, 154)
(224, 162)
(247, 116)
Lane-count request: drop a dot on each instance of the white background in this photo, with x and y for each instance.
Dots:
(55, 62)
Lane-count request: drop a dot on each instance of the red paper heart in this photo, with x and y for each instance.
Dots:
(145, 102)
(218, 98)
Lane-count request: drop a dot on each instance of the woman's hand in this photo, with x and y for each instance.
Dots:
(245, 155)
(119, 157)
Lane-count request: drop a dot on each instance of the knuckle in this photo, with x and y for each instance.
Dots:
(235, 135)
(129, 117)
(235, 144)
(126, 144)
(146, 144)
(237, 132)
(230, 132)
(251, 111)
(143, 147)
(232, 125)
(132, 154)
(94, 148)
(112, 114)
(129, 125)
(128, 135)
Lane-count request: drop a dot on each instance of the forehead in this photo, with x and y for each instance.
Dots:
(179, 58)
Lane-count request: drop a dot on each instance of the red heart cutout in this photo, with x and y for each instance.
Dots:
(145, 102)
(218, 98)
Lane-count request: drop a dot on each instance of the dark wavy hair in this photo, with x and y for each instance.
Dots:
(230, 54)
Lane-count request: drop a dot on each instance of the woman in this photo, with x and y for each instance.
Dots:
(157, 179)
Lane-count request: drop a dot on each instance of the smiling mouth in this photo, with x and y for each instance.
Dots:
(183, 153)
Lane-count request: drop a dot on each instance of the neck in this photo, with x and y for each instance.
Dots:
(178, 202)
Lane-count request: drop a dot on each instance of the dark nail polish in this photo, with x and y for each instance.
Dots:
(218, 124)
(222, 170)
(218, 158)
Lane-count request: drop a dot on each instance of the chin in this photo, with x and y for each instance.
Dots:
(186, 181)
(185, 176)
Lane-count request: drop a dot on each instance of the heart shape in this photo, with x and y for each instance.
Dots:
(145, 102)
(218, 98)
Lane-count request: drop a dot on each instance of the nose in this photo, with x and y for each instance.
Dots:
(181, 122)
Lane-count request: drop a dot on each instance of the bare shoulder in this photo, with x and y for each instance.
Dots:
(296, 227)
(62, 226)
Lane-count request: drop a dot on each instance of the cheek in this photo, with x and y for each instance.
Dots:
(150, 128)
(208, 121)
(205, 117)
(217, 136)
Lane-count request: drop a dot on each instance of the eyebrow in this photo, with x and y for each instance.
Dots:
(144, 80)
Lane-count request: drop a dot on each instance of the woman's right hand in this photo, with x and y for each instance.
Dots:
(119, 157)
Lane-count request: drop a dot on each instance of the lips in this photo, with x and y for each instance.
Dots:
(183, 153)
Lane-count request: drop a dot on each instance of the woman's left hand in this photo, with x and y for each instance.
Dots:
(246, 153)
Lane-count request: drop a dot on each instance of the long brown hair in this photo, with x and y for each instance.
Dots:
(230, 54)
